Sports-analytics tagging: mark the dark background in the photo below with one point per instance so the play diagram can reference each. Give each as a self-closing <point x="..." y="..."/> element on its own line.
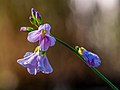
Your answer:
<point x="93" y="24"/>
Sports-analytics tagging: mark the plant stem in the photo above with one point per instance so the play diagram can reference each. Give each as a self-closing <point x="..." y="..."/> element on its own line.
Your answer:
<point x="93" y="69"/>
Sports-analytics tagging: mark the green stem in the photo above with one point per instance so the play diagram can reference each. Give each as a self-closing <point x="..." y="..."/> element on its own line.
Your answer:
<point x="94" y="69"/>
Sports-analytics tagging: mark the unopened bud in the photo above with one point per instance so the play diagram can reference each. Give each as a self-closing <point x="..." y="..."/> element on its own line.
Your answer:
<point x="38" y="18"/>
<point x="38" y="15"/>
<point x="23" y="29"/>
<point x="33" y="12"/>
<point x="29" y="29"/>
<point x="32" y="20"/>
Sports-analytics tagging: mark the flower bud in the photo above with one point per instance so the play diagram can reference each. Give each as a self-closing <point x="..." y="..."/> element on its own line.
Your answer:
<point x="33" y="12"/>
<point x="32" y="20"/>
<point x="29" y="29"/>
<point x="38" y="15"/>
<point x="23" y="29"/>
<point x="38" y="18"/>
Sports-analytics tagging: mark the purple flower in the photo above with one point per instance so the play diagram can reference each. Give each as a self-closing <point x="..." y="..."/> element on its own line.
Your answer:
<point x="35" y="62"/>
<point x="91" y="59"/>
<point x="43" y="36"/>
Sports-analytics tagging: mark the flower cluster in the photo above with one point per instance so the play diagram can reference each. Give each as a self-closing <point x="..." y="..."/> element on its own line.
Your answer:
<point x="37" y="61"/>
<point x="92" y="60"/>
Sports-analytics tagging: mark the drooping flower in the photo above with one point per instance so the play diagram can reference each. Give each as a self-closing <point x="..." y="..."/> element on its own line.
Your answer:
<point x="35" y="62"/>
<point x="91" y="59"/>
<point x="43" y="36"/>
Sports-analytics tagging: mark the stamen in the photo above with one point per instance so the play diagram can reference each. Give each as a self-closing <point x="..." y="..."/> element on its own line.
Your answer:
<point x="43" y="33"/>
<point x="81" y="49"/>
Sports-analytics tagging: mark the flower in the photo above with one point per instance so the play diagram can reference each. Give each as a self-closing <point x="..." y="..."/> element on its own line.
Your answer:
<point x="35" y="62"/>
<point x="91" y="59"/>
<point x="43" y="36"/>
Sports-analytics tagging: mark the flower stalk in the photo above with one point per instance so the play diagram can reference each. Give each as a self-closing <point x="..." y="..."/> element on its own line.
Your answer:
<point x="92" y="68"/>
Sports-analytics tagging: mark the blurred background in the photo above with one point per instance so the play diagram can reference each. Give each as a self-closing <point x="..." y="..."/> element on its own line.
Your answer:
<point x="93" y="24"/>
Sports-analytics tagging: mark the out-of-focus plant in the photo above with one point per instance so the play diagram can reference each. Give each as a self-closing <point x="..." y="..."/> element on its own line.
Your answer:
<point x="37" y="61"/>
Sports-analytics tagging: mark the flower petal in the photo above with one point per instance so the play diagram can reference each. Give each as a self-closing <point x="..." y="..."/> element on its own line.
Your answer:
<point x="32" y="70"/>
<point x="31" y="61"/>
<point x="51" y="40"/>
<point x="91" y="59"/>
<point x="44" y="66"/>
<point x="40" y="64"/>
<point x="95" y="62"/>
<point x="33" y="36"/>
<point x="44" y="44"/>
<point x="47" y="66"/>
<point x="85" y="54"/>
<point x="47" y="41"/>
<point x="27" y="54"/>
<point x="21" y="61"/>
<point x="45" y="27"/>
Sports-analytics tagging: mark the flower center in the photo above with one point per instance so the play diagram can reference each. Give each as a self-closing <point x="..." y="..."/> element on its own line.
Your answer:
<point x="43" y="33"/>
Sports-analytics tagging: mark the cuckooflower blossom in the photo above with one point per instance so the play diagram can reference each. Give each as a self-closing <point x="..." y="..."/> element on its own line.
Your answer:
<point x="43" y="36"/>
<point x="35" y="62"/>
<point x="91" y="59"/>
